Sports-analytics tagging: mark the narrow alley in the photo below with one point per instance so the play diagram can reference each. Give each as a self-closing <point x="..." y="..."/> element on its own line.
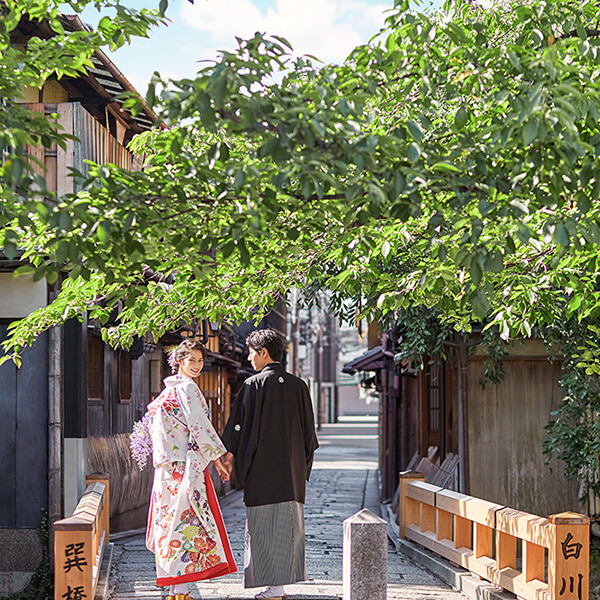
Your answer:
<point x="344" y="480"/>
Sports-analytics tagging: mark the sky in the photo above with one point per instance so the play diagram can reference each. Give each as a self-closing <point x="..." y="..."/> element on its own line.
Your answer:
<point x="327" y="29"/>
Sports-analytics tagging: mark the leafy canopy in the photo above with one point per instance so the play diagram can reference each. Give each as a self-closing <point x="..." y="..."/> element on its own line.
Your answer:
<point x="461" y="145"/>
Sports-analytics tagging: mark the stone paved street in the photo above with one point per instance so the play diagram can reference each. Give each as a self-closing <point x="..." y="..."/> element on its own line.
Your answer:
<point x="344" y="481"/>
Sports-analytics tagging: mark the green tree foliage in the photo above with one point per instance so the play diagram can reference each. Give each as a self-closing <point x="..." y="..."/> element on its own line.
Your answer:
<point x="452" y="163"/>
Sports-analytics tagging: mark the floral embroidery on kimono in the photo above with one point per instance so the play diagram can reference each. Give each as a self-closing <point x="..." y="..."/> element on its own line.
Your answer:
<point x="185" y="526"/>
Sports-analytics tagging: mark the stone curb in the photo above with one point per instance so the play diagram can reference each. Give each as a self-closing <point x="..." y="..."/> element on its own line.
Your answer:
<point x="458" y="578"/>
<point x="104" y="576"/>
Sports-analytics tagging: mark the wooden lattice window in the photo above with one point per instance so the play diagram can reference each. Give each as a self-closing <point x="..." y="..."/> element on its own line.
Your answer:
<point x="124" y="377"/>
<point x="95" y="368"/>
<point x="435" y="398"/>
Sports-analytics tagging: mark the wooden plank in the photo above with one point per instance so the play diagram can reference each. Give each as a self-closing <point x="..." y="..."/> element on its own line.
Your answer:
<point x="37" y="152"/>
<point x="533" y="561"/>
<point x="78" y="111"/>
<point x="514" y="581"/>
<point x="506" y="550"/>
<point x="443" y="548"/>
<point x="51" y="167"/>
<point x="413" y="512"/>
<point x="428" y="518"/>
<point x="102" y="479"/>
<point x="444" y="524"/>
<point x="64" y="158"/>
<point x="453" y="502"/>
<point x="568" y="557"/>
<point x="74" y="523"/>
<point x="442" y="479"/>
<point x="445" y="472"/>
<point x="523" y="525"/>
<point x="98" y="565"/>
<point x="85" y="516"/>
<point x="447" y="476"/>
<point x="94" y="487"/>
<point x="409" y="509"/>
<point x="462" y="532"/>
<point x="423" y="492"/>
<point x="89" y="505"/>
<point x="447" y="461"/>
<point x="428" y="468"/>
<point x="474" y="509"/>
<point x="73" y="563"/>
<point x="484" y="541"/>
<point x="484" y="567"/>
<point x="482" y="511"/>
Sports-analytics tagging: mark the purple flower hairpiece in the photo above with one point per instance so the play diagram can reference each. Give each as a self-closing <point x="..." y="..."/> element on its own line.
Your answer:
<point x="140" y="441"/>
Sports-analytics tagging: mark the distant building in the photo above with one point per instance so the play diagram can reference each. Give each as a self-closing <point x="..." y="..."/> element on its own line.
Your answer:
<point x="355" y="399"/>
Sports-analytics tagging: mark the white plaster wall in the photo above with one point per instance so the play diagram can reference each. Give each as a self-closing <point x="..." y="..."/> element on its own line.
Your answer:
<point x="351" y="402"/>
<point x="20" y="296"/>
<point x="75" y="472"/>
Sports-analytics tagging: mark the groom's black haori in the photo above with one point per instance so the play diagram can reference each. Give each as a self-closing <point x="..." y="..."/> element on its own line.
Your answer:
<point x="271" y="433"/>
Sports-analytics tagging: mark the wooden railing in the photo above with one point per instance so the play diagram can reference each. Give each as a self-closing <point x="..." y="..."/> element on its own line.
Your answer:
<point x="533" y="557"/>
<point x="79" y="543"/>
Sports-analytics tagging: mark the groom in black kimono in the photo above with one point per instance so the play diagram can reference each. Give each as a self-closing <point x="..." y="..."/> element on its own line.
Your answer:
<point x="271" y="435"/>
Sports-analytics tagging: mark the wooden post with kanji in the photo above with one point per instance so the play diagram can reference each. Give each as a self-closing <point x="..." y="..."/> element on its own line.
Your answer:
<point x="569" y="557"/>
<point x="79" y="542"/>
<point x="73" y="559"/>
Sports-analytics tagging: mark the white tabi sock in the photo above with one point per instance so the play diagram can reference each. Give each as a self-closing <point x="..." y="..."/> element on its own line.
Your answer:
<point x="180" y="588"/>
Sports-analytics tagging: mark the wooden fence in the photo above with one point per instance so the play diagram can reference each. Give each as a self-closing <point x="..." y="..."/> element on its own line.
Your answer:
<point x="533" y="557"/>
<point x="79" y="543"/>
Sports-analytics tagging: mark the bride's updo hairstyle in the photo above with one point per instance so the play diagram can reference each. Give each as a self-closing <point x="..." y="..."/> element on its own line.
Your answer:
<point x="183" y="350"/>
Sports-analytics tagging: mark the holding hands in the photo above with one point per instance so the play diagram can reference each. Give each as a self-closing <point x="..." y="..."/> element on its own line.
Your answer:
<point x="227" y="460"/>
<point x="224" y="466"/>
<point x="221" y="470"/>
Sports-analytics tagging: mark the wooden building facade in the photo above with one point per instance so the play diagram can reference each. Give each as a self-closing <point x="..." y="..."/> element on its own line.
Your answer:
<point x="47" y="416"/>
<point x="71" y="406"/>
<point x="495" y="430"/>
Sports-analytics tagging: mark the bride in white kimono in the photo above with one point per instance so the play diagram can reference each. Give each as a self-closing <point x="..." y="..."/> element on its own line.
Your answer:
<point x="185" y="527"/>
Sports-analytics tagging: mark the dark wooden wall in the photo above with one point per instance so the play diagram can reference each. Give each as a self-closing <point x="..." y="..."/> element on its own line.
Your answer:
<point x="390" y="427"/>
<point x="451" y="387"/>
<point x="24" y="457"/>
<point x="120" y="404"/>
<point x="408" y="433"/>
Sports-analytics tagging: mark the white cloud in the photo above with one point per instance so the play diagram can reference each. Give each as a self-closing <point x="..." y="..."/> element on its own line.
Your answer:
<point x="328" y="29"/>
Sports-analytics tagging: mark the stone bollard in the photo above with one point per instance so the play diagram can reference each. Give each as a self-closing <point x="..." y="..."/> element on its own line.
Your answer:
<point x="365" y="557"/>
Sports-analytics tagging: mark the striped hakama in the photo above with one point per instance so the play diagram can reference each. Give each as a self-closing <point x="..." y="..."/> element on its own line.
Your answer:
<point x="274" y="549"/>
